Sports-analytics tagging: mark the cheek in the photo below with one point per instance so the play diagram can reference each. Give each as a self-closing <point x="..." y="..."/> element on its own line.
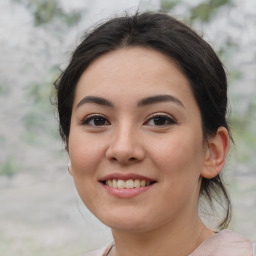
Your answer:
<point x="179" y="162"/>
<point x="178" y="147"/>
<point x="85" y="153"/>
<point x="179" y="156"/>
<point x="85" y="156"/>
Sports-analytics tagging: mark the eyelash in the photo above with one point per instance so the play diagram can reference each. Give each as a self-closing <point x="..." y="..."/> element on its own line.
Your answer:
<point x="88" y="119"/>
<point x="170" y="120"/>
<point x="164" y="117"/>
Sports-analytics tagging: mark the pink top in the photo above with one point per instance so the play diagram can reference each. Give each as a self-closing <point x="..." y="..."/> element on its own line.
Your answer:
<point x="225" y="243"/>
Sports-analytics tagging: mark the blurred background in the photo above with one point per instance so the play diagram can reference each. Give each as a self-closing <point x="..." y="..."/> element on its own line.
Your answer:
<point x="40" y="211"/>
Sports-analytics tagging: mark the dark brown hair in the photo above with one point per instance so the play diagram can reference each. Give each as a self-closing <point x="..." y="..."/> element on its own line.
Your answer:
<point x="193" y="55"/>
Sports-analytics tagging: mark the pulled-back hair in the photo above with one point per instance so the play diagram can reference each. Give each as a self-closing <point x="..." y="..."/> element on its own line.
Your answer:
<point x="192" y="55"/>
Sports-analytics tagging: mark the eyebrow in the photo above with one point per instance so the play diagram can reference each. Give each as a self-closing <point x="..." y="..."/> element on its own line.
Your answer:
<point x="159" y="99"/>
<point x="143" y="102"/>
<point x="96" y="100"/>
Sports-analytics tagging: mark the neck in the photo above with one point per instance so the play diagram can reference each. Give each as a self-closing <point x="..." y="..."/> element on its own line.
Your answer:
<point x="172" y="239"/>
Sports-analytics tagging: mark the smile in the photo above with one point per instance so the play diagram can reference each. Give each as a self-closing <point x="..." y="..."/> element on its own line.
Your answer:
<point x="127" y="184"/>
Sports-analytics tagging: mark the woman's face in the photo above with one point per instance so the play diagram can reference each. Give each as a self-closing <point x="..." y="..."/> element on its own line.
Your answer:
<point x="135" y="143"/>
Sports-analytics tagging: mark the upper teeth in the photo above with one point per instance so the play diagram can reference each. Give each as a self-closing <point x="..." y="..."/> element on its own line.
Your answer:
<point x="127" y="183"/>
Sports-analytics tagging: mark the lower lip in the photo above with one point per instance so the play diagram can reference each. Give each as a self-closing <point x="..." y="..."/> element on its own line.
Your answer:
<point x="127" y="192"/>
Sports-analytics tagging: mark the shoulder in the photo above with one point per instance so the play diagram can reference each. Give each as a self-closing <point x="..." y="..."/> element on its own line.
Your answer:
<point x="101" y="252"/>
<point x="225" y="243"/>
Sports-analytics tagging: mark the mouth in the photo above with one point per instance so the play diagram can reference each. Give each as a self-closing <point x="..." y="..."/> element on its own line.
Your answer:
<point x="128" y="183"/>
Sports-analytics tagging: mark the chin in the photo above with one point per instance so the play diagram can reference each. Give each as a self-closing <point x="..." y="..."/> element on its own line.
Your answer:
<point x="127" y="222"/>
<point x="130" y="228"/>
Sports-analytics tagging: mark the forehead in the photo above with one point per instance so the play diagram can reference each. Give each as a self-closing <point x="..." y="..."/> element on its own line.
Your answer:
<point x="133" y="72"/>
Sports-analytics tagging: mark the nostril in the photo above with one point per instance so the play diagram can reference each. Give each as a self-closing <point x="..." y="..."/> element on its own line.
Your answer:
<point x="130" y="159"/>
<point x="113" y="159"/>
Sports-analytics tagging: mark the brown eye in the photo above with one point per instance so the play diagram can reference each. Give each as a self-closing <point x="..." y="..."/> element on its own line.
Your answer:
<point x="160" y="120"/>
<point x="96" y="121"/>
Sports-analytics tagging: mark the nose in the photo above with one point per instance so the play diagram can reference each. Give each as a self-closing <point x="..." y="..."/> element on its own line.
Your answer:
<point x="125" y="147"/>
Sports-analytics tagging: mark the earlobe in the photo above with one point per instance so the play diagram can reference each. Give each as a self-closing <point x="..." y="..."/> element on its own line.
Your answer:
<point x="216" y="154"/>
<point x="70" y="168"/>
<point x="66" y="145"/>
<point x="69" y="162"/>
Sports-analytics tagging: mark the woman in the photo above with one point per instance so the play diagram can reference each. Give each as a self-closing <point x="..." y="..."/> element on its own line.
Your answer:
<point x="142" y="111"/>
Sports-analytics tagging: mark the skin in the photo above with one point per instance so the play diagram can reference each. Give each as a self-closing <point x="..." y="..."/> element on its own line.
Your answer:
<point x="128" y="139"/>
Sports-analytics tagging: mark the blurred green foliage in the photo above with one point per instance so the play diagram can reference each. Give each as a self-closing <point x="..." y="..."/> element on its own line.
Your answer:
<point x="4" y="90"/>
<point x="9" y="167"/>
<point x="45" y="12"/>
<point x="203" y="11"/>
<point x="39" y="118"/>
<point x="206" y="10"/>
<point x="39" y="94"/>
<point x="168" y="5"/>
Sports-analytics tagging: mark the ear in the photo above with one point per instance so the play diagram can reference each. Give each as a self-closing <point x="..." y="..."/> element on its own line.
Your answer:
<point x="216" y="153"/>
<point x="69" y="162"/>
<point x="70" y="170"/>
